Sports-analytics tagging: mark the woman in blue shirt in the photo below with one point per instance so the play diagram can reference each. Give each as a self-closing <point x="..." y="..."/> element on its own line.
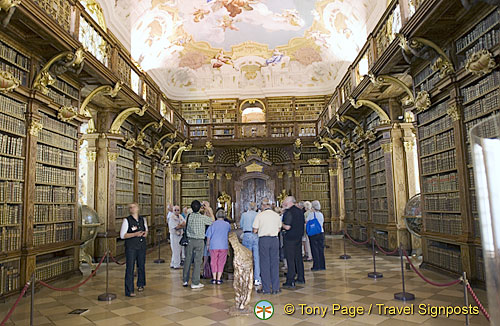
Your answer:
<point x="217" y="243"/>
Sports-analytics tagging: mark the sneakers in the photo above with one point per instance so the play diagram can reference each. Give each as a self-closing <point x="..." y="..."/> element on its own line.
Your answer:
<point x="257" y="283"/>
<point x="197" y="286"/>
<point x="213" y="282"/>
<point x="185" y="284"/>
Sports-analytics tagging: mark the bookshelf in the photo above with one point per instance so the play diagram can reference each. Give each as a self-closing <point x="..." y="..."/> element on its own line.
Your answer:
<point x="124" y="194"/>
<point x="56" y="182"/>
<point x="15" y="62"/>
<point x="159" y="201"/>
<point x="361" y="186"/>
<point x="224" y="110"/>
<point x="315" y="185"/>
<point x="144" y="186"/>
<point x="10" y="276"/>
<point x="50" y="265"/>
<point x="196" y="112"/>
<point x="63" y="93"/>
<point x="308" y="108"/>
<point x="348" y="188"/>
<point x="378" y="183"/>
<point x="280" y="109"/>
<point x="194" y="185"/>
<point x="282" y="131"/>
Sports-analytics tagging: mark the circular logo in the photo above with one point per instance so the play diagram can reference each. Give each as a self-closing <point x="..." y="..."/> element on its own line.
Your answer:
<point x="263" y="310"/>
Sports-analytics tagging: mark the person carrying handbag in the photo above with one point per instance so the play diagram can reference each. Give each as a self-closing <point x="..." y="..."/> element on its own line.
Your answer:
<point x="316" y="234"/>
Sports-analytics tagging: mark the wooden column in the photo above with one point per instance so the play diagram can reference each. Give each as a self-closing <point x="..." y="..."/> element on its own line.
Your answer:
<point x="176" y="183"/>
<point x="340" y="194"/>
<point x="334" y="195"/>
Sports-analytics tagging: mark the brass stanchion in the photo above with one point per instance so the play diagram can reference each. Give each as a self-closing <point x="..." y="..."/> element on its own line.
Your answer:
<point x="32" y="303"/>
<point x="466" y="297"/>
<point x="159" y="260"/>
<point x="344" y="256"/>
<point x="106" y="296"/>
<point x="374" y="274"/>
<point x="403" y="296"/>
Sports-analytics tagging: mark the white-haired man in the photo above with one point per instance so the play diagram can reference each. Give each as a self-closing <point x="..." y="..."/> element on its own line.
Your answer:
<point x="250" y="239"/>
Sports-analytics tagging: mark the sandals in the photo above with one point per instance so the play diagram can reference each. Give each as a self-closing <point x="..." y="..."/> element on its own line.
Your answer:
<point x="140" y="289"/>
<point x="213" y="282"/>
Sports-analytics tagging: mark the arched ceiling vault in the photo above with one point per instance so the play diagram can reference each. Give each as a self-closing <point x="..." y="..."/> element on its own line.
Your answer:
<point x="201" y="49"/>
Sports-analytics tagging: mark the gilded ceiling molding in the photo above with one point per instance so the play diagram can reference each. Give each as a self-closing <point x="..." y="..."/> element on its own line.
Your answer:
<point x="158" y="146"/>
<point x="344" y="117"/>
<point x="384" y="118"/>
<point x="334" y="142"/>
<point x="123" y="115"/>
<point x="102" y="90"/>
<point x="8" y="82"/>
<point x="481" y="63"/>
<point x="333" y="130"/>
<point x="178" y="154"/>
<point x="415" y="44"/>
<point x="386" y="79"/>
<point x="66" y="60"/>
<point x="140" y="137"/>
<point x="329" y="147"/>
<point x="95" y="10"/>
<point x="8" y="6"/>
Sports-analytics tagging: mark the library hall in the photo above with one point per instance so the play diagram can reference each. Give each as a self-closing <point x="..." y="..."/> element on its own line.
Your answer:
<point x="249" y="162"/>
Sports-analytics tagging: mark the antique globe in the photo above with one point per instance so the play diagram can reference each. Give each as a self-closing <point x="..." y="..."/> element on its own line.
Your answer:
<point x="89" y="222"/>
<point x="413" y="221"/>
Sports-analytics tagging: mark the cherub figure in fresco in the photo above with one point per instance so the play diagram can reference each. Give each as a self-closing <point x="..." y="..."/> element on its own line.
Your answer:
<point x="234" y="7"/>
<point x="227" y="22"/>
<point x="277" y="58"/>
<point x="291" y="16"/>
<point x="199" y="14"/>
<point x="221" y="59"/>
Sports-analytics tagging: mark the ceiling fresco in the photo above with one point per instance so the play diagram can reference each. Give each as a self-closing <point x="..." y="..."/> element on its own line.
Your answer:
<point x="244" y="48"/>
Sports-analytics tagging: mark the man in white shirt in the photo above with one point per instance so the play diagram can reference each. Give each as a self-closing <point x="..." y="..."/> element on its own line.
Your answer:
<point x="170" y="209"/>
<point x="267" y="225"/>
<point x="176" y="223"/>
<point x="250" y="239"/>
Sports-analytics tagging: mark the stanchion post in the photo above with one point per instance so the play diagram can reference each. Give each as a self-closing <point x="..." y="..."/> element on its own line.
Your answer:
<point x="32" y="303"/>
<point x="374" y="274"/>
<point x="159" y="260"/>
<point x="466" y="297"/>
<point x="403" y="296"/>
<point x="344" y="256"/>
<point x="107" y="296"/>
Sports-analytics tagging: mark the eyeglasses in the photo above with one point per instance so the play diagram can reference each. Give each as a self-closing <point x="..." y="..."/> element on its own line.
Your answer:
<point x="177" y="210"/>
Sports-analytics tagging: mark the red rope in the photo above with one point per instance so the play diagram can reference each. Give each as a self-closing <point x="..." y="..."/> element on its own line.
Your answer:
<point x="386" y="252"/>
<point x="76" y="286"/>
<point x="426" y="279"/>
<point x="481" y="307"/>
<point x="11" y="311"/>
<point x="355" y="242"/>
<point x="116" y="261"/>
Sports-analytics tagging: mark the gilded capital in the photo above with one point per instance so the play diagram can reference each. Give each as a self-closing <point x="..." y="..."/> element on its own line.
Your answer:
<point x="35" y="128"/>
<point x="91" y="156"/>
<point x="113" y="157"/>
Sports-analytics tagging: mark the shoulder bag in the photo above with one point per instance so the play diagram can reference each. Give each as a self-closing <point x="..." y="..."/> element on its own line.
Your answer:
<point x="313" y="227"/>
<point x="184" y="241"/>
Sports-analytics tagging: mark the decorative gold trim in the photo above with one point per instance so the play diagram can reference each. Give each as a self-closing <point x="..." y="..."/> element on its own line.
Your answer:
<point x="67" y="113"/>
<point x="314" y="161"/>
<point x="280" y="174"/>
<point x="386" y="147"/>
<point x="8" y="82"/>
<point x="35" y="128"/>
<point x="408" y="144"/>
<point x="334" y="142"/>
<point x="422" y="101"/>
<point x="453" y="112"/>
<point x="343" y="118"/>
<point x="254" y="167"/>
<point x="297" y="173"/>
<point x="44" y="78"/>
<point x="130" y="143"/>
<point x="481" y="63"/>
<point x="112" y="157"/>
<point x="365" y="157"/>
<point x="370" y="135"/>
<point x="91" y="156"/>
<point x="138" y="164"/>
<point x="123" y="115"/>
<point x="333" y="130"/>
<point x="95" y="9"/>
<point x="228" y="176"/>
<point x="387" y="79"/>
<point x="155" y="168"/>
<point x="178" y="154"/>
<point x="176" y="176"/>
<point x="158" y="146"/>
<point x="104" y="90"/>
<point x="349" y="163"/>
<point x="165" y="156"/>
<point x="332" y="172"/>
<point x="252" y="101"/>
<point x="283" y="194"/>
<point x="218" y="176"/>
<point x="384" y="118"/>
<point x="329" y="147"/>
<point x="289" y="174"/>
<point x="193" y="165"/>
<point x="225" y="201"/>
<point x="209" y="147"/>
<point x="211" y="175"/>
<point x="150" y="151"/>
<point x="8" y="4"/>
<point x="142" y="133"/>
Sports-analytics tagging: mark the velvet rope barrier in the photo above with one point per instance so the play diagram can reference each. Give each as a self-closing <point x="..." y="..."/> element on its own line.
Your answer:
<point x="76" y="286"/>
<point x="116" y="261"/>
<point x="386" y="252"/>
<point x="481" y="307"/>
<point x="426" y="279"/>
<point x="11" y="311"/>
<point x="355" y="242"/>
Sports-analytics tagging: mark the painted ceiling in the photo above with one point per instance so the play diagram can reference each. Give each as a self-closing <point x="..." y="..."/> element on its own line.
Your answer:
<point x="243" y="48"/>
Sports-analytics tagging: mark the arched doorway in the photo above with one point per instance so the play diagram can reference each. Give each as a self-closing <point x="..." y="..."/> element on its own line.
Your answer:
<point x="252" y="187"/>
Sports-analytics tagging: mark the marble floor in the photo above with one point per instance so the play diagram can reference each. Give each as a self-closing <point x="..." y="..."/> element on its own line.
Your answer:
<point x="166" y="302"/>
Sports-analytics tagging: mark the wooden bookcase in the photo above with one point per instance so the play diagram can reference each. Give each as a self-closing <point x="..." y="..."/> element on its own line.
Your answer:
<point x="280" y="109"/>
<point x="308" y="108"/>
<point x="196" y="112"/>
<point x="315" y="185"/>
<point x="224" y="111"/>
<point x="124" y="191"/>
<point x="144" y="188"/>
<point x="194" y="185"/>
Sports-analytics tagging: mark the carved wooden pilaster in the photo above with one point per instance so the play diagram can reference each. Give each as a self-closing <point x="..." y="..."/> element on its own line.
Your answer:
<point x="334" y="194"/>
<point x="176" y="183"/>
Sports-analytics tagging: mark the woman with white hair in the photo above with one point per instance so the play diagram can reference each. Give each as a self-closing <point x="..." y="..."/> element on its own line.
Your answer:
<point x="318" y="240"/>
<point x="305" y="239"/>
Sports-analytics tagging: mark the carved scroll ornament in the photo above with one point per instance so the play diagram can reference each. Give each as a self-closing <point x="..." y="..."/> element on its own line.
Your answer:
<point x="8" y="82"/>
<point x="123" y="115"/>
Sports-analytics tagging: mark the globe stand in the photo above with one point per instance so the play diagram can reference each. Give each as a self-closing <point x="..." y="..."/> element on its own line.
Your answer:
<point x="106" y="296"/>
<point x="159" y="260"/>
<point x="374" y="274"/>
<point x="403" y="296"/>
